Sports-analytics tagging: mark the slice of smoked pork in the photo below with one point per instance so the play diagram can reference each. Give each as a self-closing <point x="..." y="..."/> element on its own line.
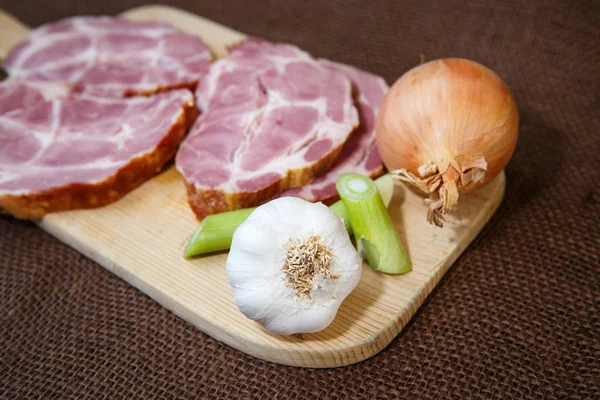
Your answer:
<point x="109" y="56"/>
<point x="62" y="150"/>
<point x="272" y="118"/>
<point x="359" y="154"/>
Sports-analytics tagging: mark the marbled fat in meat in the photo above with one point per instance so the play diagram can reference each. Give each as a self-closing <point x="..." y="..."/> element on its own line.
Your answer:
<point x="63" y="150"/>
<point x="359" y="154"/>
<point x="272" y="118"/>
<point x="110" y="56"/>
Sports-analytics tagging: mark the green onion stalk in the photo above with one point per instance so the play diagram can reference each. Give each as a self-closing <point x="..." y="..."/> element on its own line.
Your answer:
<point x="376" y="237"/>
<point x="215" y="232"/>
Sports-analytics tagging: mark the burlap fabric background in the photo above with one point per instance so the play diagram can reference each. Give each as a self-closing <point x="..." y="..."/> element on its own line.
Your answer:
<point x="516" y="317"/>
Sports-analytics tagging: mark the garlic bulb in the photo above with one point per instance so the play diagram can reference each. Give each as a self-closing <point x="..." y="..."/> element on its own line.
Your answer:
<point x="291" y="265"/>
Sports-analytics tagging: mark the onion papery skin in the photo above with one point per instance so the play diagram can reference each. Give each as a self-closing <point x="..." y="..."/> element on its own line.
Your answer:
<point x="440" y="114"/>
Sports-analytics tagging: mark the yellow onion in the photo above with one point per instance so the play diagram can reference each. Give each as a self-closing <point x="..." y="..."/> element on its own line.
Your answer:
<point x="447" y="126"/>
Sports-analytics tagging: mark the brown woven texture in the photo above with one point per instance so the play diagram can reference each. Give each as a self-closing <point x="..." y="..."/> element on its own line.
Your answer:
<point x="518" y="316"/>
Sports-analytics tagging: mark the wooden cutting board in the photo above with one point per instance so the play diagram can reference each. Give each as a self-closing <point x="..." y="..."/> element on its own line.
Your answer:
<point x="141" y="239"/>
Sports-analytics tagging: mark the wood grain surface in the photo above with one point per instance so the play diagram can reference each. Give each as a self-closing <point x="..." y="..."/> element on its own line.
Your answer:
<point x="141" y="239"/>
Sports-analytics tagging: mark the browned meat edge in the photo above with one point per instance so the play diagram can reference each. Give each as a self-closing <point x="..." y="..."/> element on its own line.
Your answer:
<point x="160" y="89"/>
<point x="207" y="202"/>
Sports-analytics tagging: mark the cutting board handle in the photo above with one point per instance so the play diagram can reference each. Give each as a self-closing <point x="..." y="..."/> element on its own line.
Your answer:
<point x="12" y="31"/>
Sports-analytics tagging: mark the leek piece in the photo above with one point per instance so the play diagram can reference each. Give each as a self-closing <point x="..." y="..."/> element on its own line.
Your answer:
<point x="385" y="186"/>
<point x="339" y="210"/>
<point x="376" y="237"/>
<point x="215" y="232"/>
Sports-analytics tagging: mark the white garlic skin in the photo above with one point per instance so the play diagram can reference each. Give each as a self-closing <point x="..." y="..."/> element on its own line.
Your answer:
<point x="257" y="254"/>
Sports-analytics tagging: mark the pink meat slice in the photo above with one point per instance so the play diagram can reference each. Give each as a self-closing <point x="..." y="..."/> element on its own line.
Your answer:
<point x="272" y="118"/>
<point x="110" y="56"/>
<point x="359" y="154"/>
<point x="63" y="150"/>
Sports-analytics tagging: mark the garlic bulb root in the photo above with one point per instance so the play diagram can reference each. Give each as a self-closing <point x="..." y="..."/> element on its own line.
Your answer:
<point x="442" y="182"/>
<point x="304" y="260"/>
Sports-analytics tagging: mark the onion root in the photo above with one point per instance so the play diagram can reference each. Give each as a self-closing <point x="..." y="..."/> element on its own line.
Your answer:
<point x="442" y="181"/>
